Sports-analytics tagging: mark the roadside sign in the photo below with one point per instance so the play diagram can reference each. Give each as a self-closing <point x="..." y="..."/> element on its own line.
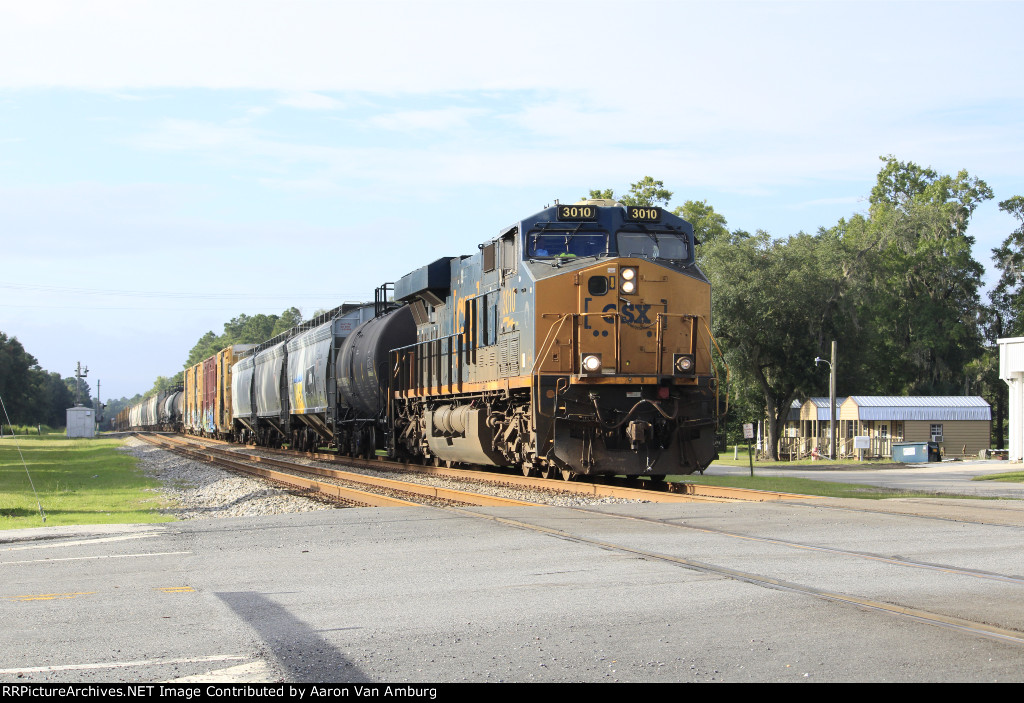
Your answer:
<point x="748" y="430"/>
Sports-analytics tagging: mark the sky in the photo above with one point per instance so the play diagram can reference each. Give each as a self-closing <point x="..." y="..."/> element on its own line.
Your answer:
<point x="167" y="166"/>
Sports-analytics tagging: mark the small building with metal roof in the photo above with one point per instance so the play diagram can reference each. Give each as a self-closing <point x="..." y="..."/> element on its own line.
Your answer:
<point x="960" y="424"/>
<point x="808" y="427"/>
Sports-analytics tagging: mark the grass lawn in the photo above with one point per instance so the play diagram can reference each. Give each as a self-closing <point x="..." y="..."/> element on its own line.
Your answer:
<point x="810" y="487"/>
<point x="1009" y="476"/>
<point x="78" y="482"/>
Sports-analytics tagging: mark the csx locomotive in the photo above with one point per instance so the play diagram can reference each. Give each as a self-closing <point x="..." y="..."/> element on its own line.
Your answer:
<point x="575" y="343"/>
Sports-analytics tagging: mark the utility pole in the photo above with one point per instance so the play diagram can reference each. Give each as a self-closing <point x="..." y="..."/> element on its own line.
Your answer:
<point x="833" y="425"/>
<point x="79" y="375"/>
<point x="832" y="397"/>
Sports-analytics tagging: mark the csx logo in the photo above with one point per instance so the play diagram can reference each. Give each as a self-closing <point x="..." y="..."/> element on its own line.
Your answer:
<point x="634" y="315"/>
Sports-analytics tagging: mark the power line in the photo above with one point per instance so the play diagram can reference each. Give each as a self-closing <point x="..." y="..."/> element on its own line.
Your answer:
<point x="68" y="290"/>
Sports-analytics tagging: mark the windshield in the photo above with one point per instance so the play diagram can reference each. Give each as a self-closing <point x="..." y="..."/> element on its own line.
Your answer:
<point x="656" y="245"/>
<point x="568" y="245"/>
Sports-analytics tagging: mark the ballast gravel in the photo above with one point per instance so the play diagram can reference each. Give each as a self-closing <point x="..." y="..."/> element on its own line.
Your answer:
<point x="199" y="491"/>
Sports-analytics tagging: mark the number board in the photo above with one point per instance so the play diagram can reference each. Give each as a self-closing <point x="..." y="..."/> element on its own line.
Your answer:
<point x="577" y="213"/>
<point x="642" y="214"/>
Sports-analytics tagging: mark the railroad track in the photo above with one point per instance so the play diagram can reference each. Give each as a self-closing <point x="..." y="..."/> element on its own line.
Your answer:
<point x="978" y="625"/>
<point x="981" y="627"/>
<point x="655" y="492"/>
<point x="334" y="485"/>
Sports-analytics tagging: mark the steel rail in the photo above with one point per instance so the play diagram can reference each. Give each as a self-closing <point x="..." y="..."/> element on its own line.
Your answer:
<point x="448" y="494"/>
<point x="895" y="561"/>
<point x="972" y="627"/>
<point x="672" y="492"/>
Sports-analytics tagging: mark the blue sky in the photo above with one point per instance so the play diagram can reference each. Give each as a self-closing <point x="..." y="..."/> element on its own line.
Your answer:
<point x="167" y="166"/>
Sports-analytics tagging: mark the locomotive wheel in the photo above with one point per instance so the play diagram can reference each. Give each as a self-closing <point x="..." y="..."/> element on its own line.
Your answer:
<point x="527" y="470"/>
<point x="547" y="471"/>
<point x="436" y="461"/>
<point x="567" y="475"/>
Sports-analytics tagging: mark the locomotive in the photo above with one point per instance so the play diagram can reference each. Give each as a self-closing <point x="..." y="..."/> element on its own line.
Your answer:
<point x="575" y="343"/>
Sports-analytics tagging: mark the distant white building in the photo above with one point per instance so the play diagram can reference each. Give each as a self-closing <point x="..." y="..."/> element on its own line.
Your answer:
<point x="81" y="422"/>
<point x="1011" y="370"/>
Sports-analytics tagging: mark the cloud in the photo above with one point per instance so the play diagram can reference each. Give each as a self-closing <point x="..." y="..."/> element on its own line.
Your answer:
<point x="455" y="118"/>
<point x="311" y="101"/>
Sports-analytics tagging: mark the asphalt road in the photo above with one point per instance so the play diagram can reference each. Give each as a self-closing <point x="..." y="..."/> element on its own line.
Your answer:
<point x="639" y="593"/>
<point x="953" y="477"/>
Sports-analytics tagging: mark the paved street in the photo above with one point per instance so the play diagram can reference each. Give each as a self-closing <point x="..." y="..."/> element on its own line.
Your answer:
<point x="946" y="477"/>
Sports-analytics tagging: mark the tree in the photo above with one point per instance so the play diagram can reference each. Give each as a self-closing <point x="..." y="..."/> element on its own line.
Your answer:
<point x="208" y="345"/>
<point x="708" y="225"/>
<point x="778" y="304"/>
<point x="288" y="319"/>
<point x="918" y="296"/>
<point x="1005" y="299"/>
<point x="645" y="192"/>
<point x="16" y="380"/>
<point x="79" y="388"/>
<point x="30" y="394"/>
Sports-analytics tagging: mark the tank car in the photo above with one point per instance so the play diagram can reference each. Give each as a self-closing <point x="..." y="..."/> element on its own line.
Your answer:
<point x="307" y="386"/>
<point x="171" y="411"/>
<point x="577" y="341"/>
<point x="364" y="375"/>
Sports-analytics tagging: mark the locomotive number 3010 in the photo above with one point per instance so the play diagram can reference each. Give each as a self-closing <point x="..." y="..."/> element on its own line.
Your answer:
<point x="577" y="212"/>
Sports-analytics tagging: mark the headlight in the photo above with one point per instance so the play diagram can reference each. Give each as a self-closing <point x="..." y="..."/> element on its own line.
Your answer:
<point x="628" y="280"/>
<point x="590" y="363"/>
<point x="683" y="364"/>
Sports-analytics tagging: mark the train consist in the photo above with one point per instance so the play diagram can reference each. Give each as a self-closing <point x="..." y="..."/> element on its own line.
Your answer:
<point x="575" y="343"/>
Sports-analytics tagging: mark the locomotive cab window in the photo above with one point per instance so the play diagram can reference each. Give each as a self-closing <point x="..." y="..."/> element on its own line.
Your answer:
<point x="567" y="244"/>
<point x="674" y="246"/>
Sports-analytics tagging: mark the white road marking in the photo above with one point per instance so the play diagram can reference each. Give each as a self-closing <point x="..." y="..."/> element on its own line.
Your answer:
<point x="99" y="556"/>
<point x="255" y="672"/>
<point x="121" y="665"/>
<point x="80" y="542"/>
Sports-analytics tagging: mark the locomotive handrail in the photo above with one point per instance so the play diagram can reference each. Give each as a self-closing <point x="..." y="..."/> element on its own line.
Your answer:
<point x="409" y="354"/>
<point x="549" y="339"/>
<point x="715" y="372"/>
<point x="535" y="373"/>
<point x="693" y="335"/>
<point x="693" y="350"/>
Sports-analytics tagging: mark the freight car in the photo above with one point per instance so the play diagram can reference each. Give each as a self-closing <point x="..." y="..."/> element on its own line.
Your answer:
<point x="575" y="343"/>
<point x="162" y="412"/>
<point x="207" y="394"/>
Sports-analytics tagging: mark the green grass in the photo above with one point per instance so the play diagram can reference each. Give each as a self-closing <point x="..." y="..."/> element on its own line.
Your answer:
<point x="78" y="482"/>
<point x="1008" y="476"/>
<point x="810" y="487"/>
